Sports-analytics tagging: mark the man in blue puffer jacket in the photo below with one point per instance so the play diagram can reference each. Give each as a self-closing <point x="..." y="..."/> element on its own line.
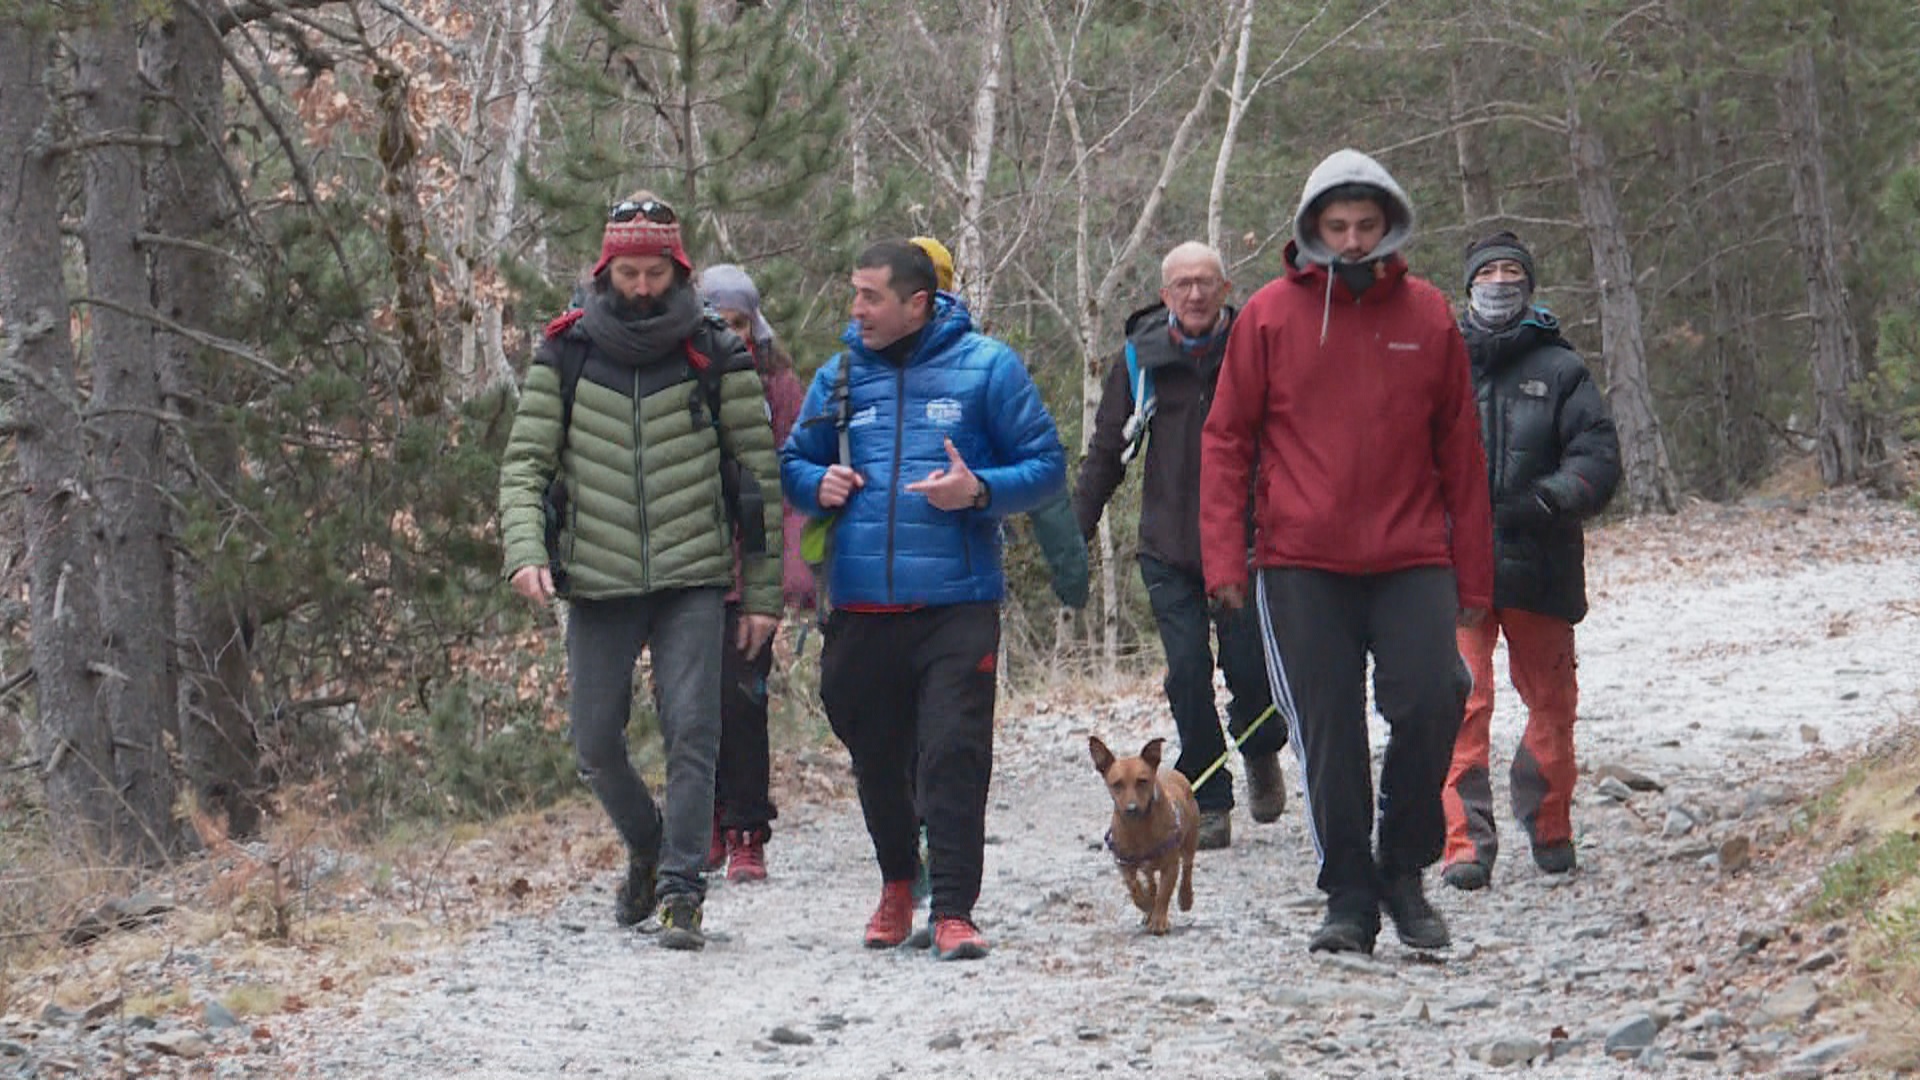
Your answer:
<point x="945" y="435"/>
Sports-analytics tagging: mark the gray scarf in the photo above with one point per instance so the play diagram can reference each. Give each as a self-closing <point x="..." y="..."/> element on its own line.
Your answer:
<point x="636" y="339"/>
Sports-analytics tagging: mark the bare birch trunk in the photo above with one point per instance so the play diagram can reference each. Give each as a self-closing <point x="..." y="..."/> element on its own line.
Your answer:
<point x="1477" y="203"/>
<point x="72" y="743"/>
<point x="1840" y="422"/>
<point x="131" y="521"/>
<point x="1649" y="475"/>
<point x="533" y="24"/>
<point x="971" y="276"/>
<point x="1236" y="111"/>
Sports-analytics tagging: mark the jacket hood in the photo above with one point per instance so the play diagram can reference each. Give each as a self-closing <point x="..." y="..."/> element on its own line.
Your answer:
<point x="1351" y="167"/>
<point x="1537" y="329"/>
<point x="1147" y="329"/>
<point x="950" y="322"/>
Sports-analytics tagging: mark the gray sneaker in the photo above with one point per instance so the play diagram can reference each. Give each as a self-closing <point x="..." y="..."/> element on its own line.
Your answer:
<point x="680" y="923"/>
<point x="1216" y="829"/>
<point x="1266" y="790"/>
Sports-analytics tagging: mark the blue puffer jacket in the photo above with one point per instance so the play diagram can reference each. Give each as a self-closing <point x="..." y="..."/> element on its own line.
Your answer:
<point x="891" y="546"/>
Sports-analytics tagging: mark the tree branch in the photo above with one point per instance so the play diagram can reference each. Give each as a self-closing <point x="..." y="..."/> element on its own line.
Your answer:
<point x="200" y="337"/>
<point x="238" y="15"/>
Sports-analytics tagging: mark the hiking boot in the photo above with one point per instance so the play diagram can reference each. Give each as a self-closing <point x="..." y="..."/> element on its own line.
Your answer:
<point x="747" y="854"/>
<point x="956" y="938"/>
<point x="1343" y="933"/>
<point x="1466" y="876"/>
<point x="1216" y="829"/>
<point x="1419" y="926"/>
<point x="635" y="899"/>
<point x="717" y="845"/>
<point x="892" y="921"/>
<point x="1266" y="790"/>
<point x="680" y="924"/>
<point x="1554" y="858"/>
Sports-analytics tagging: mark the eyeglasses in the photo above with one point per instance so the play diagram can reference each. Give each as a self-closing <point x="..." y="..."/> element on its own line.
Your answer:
<point x="652" y="209"/>
<point x="1187" y="285"/>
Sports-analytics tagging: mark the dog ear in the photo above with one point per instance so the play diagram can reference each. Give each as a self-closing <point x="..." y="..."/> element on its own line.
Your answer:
<point x="1150" y="753"/>
<point x="1102" y="757"/>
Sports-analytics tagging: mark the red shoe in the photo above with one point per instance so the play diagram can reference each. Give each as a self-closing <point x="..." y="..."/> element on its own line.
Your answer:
<point x="892" y="921"/>
<point x="717" y="845"/>
<point x="958" y="939"/>
<point x="747" y="854"/>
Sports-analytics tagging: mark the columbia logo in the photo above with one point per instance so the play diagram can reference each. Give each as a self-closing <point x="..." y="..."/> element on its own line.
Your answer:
<point x="1404" y="346"/>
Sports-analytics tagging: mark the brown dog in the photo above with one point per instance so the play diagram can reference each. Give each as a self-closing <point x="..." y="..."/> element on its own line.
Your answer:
<point x="1156" y="828"/>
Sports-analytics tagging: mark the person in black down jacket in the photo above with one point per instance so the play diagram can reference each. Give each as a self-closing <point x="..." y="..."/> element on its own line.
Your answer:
<point x="1553" y="460"/>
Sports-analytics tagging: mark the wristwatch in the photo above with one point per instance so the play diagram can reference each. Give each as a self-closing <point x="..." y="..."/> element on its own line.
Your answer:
<point x="982" y="494"/>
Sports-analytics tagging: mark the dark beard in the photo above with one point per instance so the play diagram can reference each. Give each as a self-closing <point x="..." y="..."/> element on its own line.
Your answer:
<point x="639" y="307"/>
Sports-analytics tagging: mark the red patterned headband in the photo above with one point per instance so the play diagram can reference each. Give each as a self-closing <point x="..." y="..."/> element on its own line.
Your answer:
<point x="641" y="237"/>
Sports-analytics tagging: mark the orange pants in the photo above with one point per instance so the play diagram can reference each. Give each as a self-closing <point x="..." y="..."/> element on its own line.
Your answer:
<point x="1540" y="658"/>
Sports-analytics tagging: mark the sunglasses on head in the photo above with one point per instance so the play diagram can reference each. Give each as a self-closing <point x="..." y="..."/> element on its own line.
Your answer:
<point x="652" y="209"/>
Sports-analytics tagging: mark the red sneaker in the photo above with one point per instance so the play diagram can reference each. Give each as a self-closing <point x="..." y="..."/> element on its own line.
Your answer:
<point x="746" y="855"/>
<point x="892" y="921"/>
<point x="958" y="939"/>
<point x="717" y="845"/>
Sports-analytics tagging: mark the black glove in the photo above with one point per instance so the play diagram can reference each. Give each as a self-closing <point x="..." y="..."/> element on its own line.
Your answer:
<point x="1530" y="511"/>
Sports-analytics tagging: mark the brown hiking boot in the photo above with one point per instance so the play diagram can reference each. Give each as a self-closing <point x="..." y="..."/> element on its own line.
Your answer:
<point x="1216" y="829"/>
<point x="1266" y="790"/>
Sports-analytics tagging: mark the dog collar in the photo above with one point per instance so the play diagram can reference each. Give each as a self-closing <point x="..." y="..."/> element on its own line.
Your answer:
<point x="1159" y="852"/>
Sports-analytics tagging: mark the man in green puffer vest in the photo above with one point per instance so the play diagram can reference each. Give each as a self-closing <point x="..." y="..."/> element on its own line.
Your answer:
<point x="644" y="544"/>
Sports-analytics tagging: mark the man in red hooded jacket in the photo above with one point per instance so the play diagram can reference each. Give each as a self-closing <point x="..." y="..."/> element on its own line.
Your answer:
<point x="1348" y="383"/>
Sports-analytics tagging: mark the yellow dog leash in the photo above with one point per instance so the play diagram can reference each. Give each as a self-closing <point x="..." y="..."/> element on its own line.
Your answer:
<point x="1237" y="743"/>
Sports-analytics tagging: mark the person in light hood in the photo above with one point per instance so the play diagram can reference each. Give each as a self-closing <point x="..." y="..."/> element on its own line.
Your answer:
<point x="1346" y="385"/>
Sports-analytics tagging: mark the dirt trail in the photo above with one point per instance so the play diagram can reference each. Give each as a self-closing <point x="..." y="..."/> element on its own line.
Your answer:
<point x="1714" y="639"/>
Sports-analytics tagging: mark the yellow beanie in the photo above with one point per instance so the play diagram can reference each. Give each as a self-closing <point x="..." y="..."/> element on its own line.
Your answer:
<point x="942" y="259"/>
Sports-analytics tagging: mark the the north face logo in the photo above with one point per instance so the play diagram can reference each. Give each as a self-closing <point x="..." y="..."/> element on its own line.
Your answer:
<point x="987" y="664"/>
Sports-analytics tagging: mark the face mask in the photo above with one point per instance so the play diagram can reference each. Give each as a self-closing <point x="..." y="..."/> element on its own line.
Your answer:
<point x="1497" y="303"/>
<point x="1357" y="277"/>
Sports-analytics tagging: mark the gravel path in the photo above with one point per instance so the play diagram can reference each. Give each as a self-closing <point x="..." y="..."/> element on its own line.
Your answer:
<point x="1737" y="671"/>
<point x="1701" y="680"/>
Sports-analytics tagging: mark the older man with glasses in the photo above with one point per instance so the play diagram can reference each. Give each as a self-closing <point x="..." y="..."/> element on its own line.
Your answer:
<point x="1159" y="388"/>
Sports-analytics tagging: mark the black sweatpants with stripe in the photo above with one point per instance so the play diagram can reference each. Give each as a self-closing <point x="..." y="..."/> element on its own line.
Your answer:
<point x="914" y="690"/>
<point x="1320" y="628"/>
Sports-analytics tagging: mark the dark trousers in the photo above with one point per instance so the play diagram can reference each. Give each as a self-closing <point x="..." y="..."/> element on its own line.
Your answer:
<point x="911" y="695"/>
<point x="1179" y="600"/>
<point x="1321" y="627"/>
<point x="743" y="776"/>
<point x="604" y="639"/>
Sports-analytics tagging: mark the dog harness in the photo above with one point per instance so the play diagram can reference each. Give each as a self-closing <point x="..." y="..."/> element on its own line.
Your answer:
<point x="1159" y="851"/>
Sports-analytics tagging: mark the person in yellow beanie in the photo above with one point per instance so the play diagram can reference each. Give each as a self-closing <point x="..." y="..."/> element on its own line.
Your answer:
<point x="1054" y="526"/>
<point x="942" y="260"/>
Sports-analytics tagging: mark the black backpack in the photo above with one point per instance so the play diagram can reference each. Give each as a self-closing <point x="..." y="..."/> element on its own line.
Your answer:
<point x="739" y="488"/>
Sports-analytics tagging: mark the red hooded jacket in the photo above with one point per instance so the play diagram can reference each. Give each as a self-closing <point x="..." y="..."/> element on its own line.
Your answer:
<point x="1361" y="415"/>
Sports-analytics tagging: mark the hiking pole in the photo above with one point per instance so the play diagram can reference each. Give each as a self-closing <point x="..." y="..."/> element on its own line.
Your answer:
<point x="1237" y="744"/>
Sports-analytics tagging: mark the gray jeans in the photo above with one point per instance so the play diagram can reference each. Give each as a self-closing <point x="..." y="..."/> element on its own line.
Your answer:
<point x="604" y="639"/>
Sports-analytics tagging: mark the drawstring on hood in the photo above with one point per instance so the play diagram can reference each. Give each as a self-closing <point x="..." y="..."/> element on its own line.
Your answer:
<point x="1341" y="168"/>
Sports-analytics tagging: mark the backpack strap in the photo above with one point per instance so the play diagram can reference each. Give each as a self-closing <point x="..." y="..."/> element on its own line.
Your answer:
<point x="1140" y="384"/>
<point x="840" y="413"/>
<point x="739" y="488"/>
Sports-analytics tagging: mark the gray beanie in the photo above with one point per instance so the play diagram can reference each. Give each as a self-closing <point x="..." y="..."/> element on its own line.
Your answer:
<point x="726" y="286"/>
<point x="1492" y="249"/>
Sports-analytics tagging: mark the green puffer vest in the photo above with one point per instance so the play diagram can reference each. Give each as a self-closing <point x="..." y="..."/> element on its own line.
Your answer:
<point x="642" y="468"/>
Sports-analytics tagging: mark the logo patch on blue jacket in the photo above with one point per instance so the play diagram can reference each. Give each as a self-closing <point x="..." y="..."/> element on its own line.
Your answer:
<point x="864" y="417"/>
<point x="943" y="412"/>
<point x="1534" y="388"/>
